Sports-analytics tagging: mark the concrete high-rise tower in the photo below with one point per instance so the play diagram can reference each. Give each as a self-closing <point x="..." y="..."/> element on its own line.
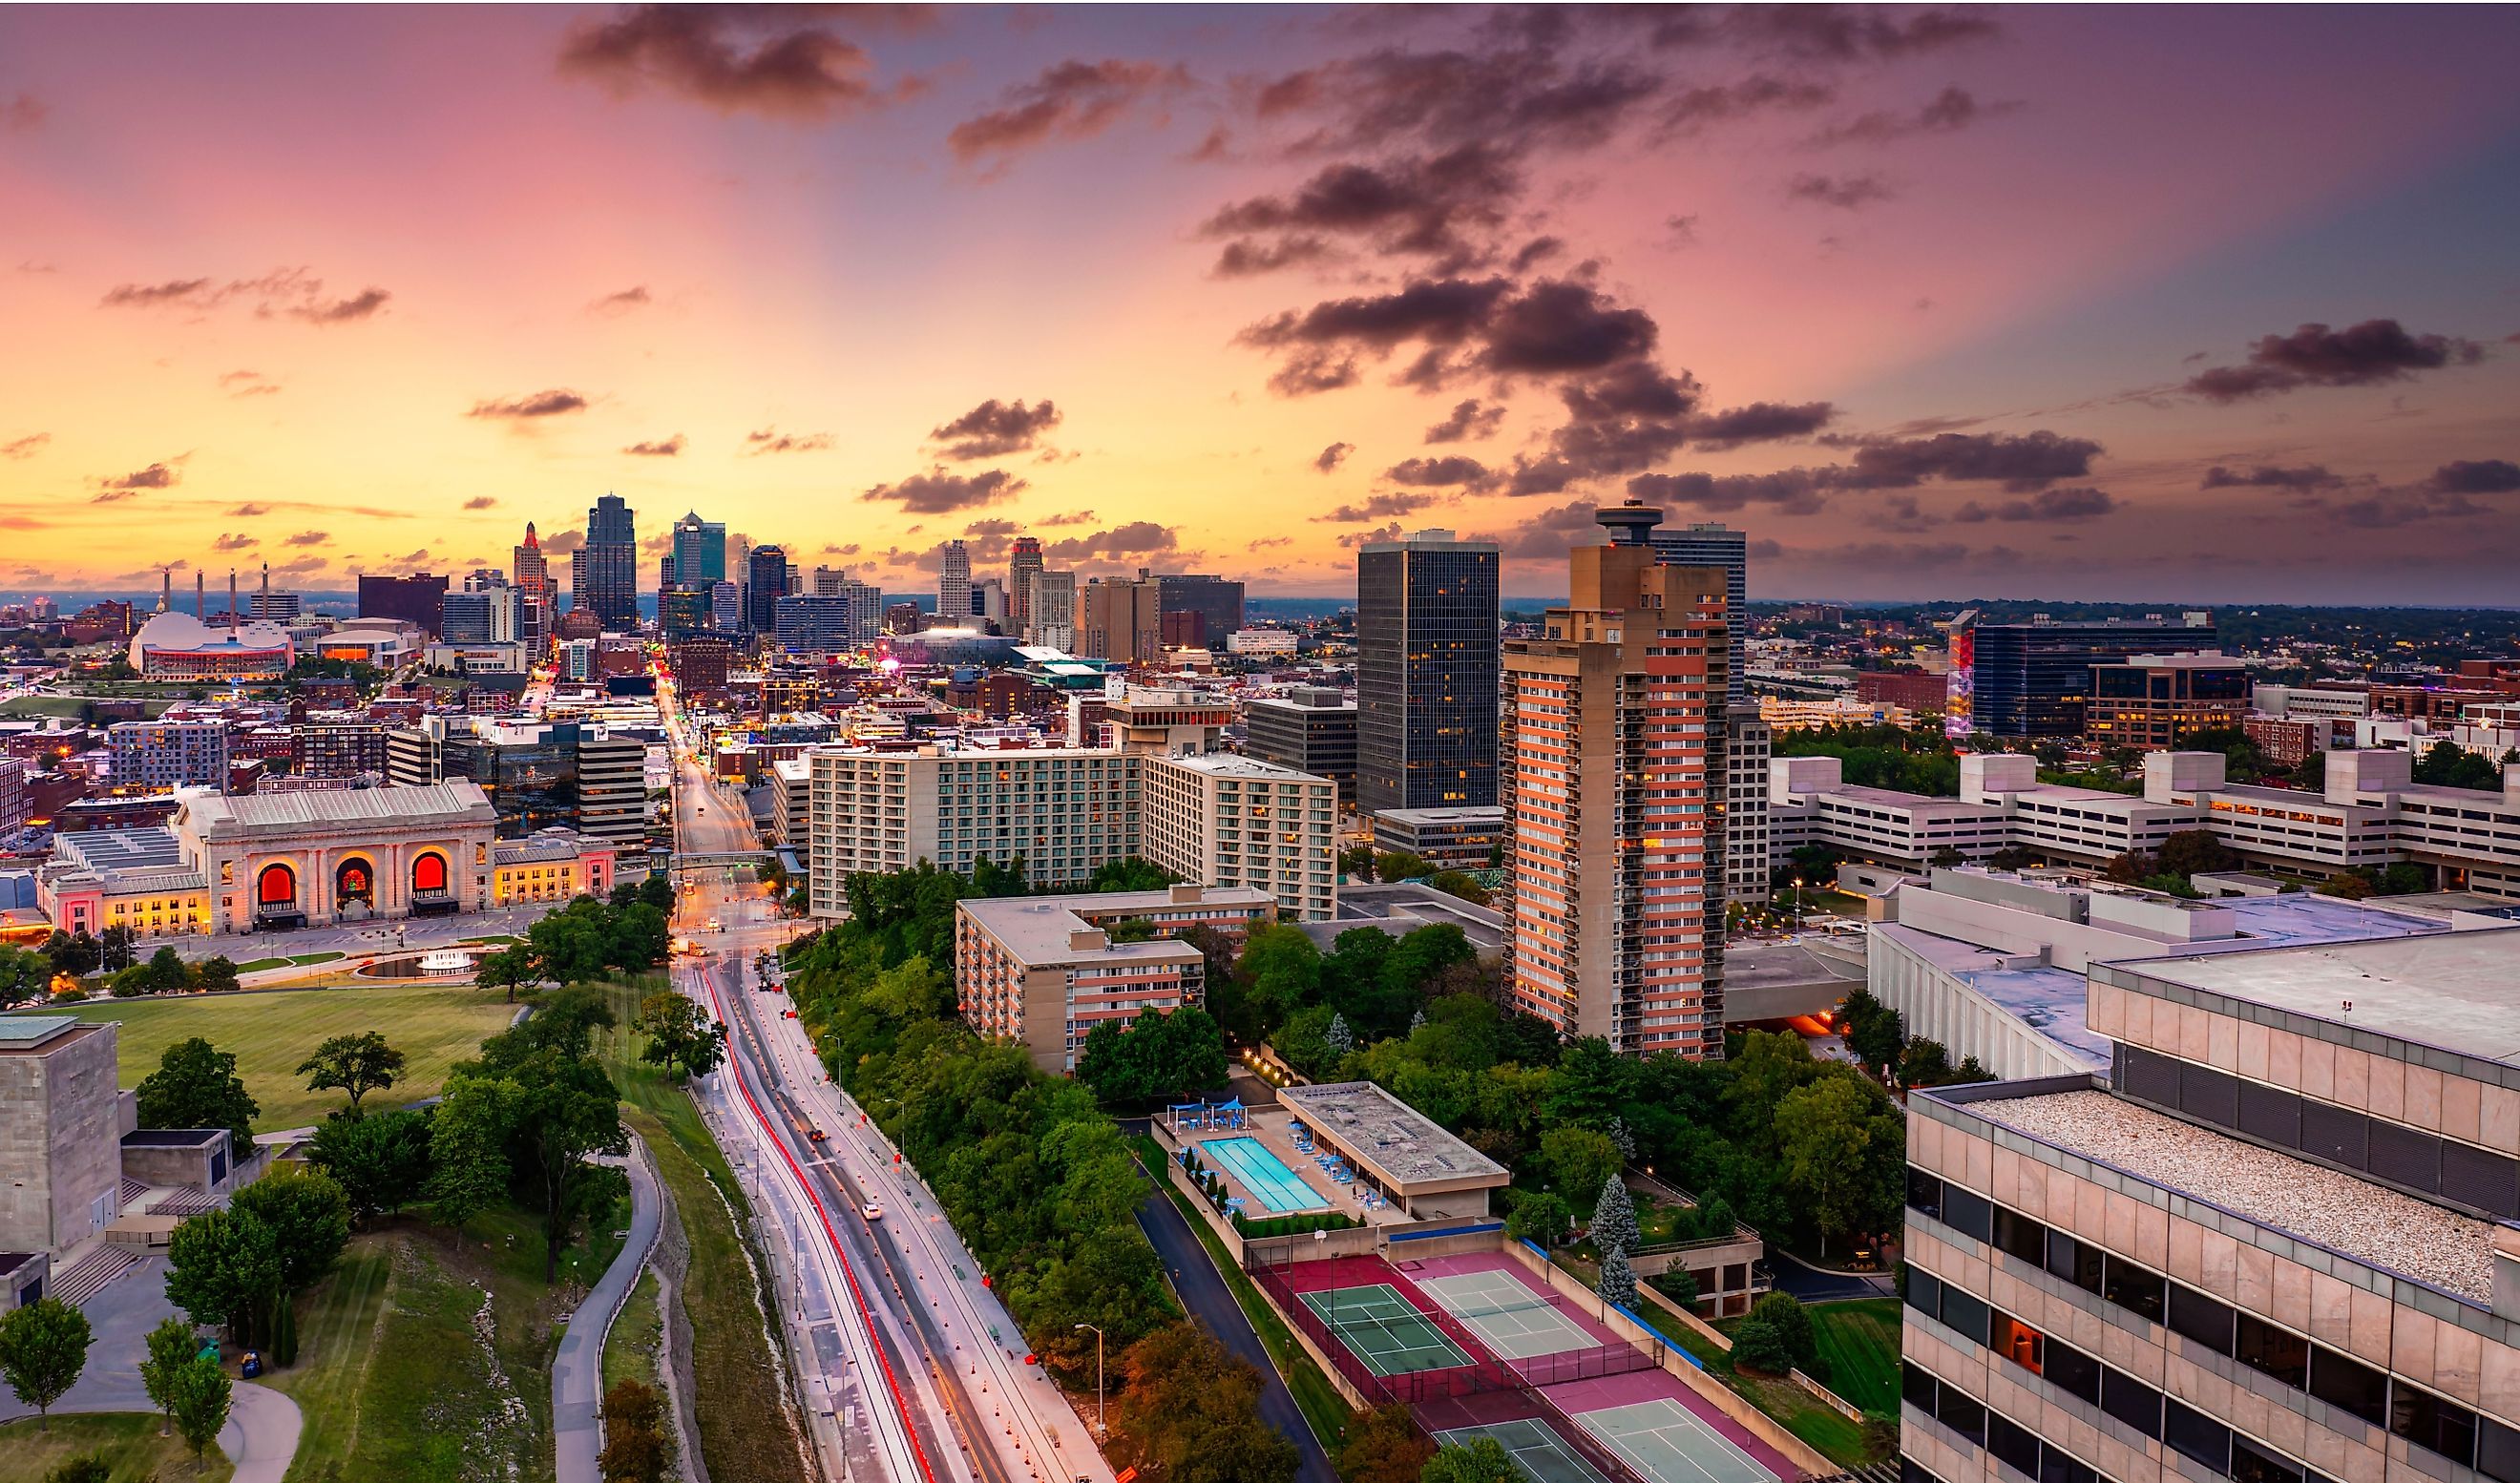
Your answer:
<point x="1729" y="551"/>
<point x="1426" y="673"/>
<point x="1614" y="799"/>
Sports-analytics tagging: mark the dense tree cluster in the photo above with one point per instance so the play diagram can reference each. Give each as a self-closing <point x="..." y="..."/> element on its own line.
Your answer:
<point x="1876" y="1035"/>
<point x="1154" y="1058"/>
<point x="1906" y="761"/>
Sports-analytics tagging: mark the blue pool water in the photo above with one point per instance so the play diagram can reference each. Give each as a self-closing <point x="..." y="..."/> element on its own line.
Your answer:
<point x="1276" y="1186"/>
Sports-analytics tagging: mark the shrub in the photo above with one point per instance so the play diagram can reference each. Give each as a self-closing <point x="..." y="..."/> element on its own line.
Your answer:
<point x="1756" y="1345"/>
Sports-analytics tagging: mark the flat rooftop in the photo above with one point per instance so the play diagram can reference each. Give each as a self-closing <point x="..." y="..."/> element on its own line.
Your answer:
<point x="2365" y="1221"/>
<point x="2306" y="916"/>
<point x="2051" y="1001"/>
<point x="1404" y="1149"/>
<point x="22" y="1032"/>
<point x="1402" y="907"/>
<point x="1913" y="803"/>
<point x="1036" y="928"/>
<point x="2449" y="990"/>
<point x="1424" y="817"/>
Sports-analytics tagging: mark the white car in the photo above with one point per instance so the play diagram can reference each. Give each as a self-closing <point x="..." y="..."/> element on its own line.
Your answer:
<point x="872" y="1212"/>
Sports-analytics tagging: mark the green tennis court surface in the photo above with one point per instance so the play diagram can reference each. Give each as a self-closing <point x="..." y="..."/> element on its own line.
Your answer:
<point x="1663" y="1441"/>
<point x="1385" y="1330"/>
<point x="1507" y="1316"/>
<point x="1540" y="1453"/>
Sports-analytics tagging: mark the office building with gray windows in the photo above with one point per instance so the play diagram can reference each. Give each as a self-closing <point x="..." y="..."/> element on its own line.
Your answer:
<point x="1426" y="673"/>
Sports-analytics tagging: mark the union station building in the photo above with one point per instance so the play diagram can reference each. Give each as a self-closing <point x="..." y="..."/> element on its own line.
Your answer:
<point x="252" y="863"/>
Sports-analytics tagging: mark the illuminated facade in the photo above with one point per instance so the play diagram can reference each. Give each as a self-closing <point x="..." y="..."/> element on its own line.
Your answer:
<point x="177" y="645"/>
<point x="313" y="859"/>
<point x="1426" y="673"/>
<point x="1615" y="800"/>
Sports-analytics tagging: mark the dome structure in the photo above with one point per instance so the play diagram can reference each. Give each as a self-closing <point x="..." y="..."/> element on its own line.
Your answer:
<point x="177" y="645"/>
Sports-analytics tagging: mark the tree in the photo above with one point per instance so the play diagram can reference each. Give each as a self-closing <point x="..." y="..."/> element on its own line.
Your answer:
<point x="200" y="1396"/>
<point x="640" y="936"/>
<point x="24" y="978"/>
<point x="1188" y="1411"/>
<point x="309" y="1219"/>
<point x="219" y="974"/>
<point x="1279" y="971"/>
<point x="2191" y="850"/>
<point x="1578" y="1159"/>
<point x="567" y="1110"/>
<point x="637" y="1449"/>
<point x="1614" y="1218"/>
<point x="1337" y="1037"/>
<point x="357" y="1064"/>
<point x="468" y="1147"/>
<point x="1680" y="1284"/>
<point x="1758" y="1346"/>
<point x="680" y="1035"/>
<point x="222" y="1267"/>
<point x="510" y="969"/>
<point x="1356" y="860"/>
<point x="2345" y="885"/>
<point x="1484" y="1461"/>
<point x="171" y="1343"/>
<point x="1384" y="1446"/>
<point x="90" y="1468"/>
<point x="43" y="1347"/>
<point x="1924" y="1064"/>
<point x="2446" y="764"/>
<point x="1824" y="1133"/>
<point x="195" y="1085"/>
<point x="1618" y="1279"/>
<point x="1540" y="1218"/>
<point x="167" y="971"/>
<point x="1784" y="1313"/>
<point x="113" y="949"/>
<point x="1153" y="1057"/>
<point x="381" y="1163"/>
<point x="564" y="1021"/>
<point x="74" y="955"/>
<point x="1130" y="873"/>
<point x="1402" y="865"/>
<point x="1460" y="883"/>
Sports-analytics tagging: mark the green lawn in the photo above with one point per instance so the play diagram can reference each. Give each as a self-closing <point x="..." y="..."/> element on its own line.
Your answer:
<point x="1858" y="1342"/>
<point x="630" y="1348"/>
<point x="130" y="1444"/>
<point x="271" y="1033"/>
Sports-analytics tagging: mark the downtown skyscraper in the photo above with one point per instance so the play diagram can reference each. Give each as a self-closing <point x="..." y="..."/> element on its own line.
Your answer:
<point x="604" y="573"/>
<point x="1021" y="569"/>
<point x="1616" y="797"/>
<point x="954" y="587"/>
<point x="765" y="583"/>
<point x="1727" y="549"/>
<point x="1426" y="673"/>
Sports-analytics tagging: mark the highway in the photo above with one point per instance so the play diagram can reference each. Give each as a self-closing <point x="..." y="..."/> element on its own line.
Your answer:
<point x="913" y="1368"/>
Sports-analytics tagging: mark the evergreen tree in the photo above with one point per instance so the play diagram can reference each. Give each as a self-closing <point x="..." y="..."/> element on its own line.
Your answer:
<point x="1339" y="1037"/>
<point x="1614" y="1218"/>
<point x="1618" y="1279"/>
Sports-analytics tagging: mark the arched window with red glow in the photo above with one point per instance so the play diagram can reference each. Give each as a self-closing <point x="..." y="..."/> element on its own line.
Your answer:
<point x="428" y="872"/>
<point x="277" y="885"/>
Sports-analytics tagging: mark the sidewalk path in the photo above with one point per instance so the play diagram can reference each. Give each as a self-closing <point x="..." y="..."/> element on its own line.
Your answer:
<point x="577" y="1370"/>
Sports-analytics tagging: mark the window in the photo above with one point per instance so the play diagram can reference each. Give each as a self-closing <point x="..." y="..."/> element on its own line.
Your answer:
<point x="1968" y="1213"/>
<point x="1963" y="1313"/>
<point x="1924" y="1292"/>
<point x="2252" y="1463"/>
<point x="2196" y="1435"/>
<point x="2077" y="1261"/>
<point x="2349" y="1385"/>
<point x="2020" y="1236"/>
<point x="1961" y="1412"/>
<point x="2012" y="1445"/>
<point x="2201" y="1318"/>
<point x="2018" y="1342"/>
<point x="2071" y="1372"/>
<point x="1916" y="1386"/>
<point x="2272" y="1351"/>
<point x="2430" y="1421"/>
<point x="2131" y="1401"/>
<point x="2497" y="1451"/>
<point x="2058" y="1467"/>
<point x="2132" y="1288"/>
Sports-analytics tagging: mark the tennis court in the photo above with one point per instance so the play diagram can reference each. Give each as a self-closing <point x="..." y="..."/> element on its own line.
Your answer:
<point x="1507" y="1316"/>
<point x="1664" y="1442"/>
<point x="1539" y="1451"/>
<point x="1385" y="1330"/>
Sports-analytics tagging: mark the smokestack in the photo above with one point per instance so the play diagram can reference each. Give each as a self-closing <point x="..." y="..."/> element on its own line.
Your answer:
<point x="200" y="598"/>
<point x="233" y="620"/>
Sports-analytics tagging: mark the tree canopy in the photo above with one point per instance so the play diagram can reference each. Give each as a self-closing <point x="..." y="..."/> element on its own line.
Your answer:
<point x="195" y="1085"/>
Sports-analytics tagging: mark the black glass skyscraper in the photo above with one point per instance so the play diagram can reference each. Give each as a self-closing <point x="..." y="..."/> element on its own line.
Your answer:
<point x="604" y="574"/>
<point x="2035" y="679"/>
<point x="765" y="583"/>
<point x="1426" y="673"/>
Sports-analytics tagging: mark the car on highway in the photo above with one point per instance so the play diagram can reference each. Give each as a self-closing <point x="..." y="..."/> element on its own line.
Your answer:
<point x="872" y="1211"/>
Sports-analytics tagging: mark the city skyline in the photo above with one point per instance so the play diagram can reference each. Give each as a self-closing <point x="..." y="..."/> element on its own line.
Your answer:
<point x="1926" y="302"/>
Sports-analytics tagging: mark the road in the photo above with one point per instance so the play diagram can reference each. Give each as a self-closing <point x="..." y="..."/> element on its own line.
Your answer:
<point x="918" y="1346"/>
<point x="577" y="1369"/>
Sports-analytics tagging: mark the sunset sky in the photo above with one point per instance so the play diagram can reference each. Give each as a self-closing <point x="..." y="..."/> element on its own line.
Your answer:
<point x="2209" y="304"/>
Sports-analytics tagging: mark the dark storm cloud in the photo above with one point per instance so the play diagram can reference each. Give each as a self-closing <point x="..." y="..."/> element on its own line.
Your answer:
<point x="2492" y="475"/>
<point x="1441" y="207"/>
<point x="2367" y="354"/>
<point x="1949" y="111"/>
<point x="1376" y="508"/>
<point x="938" y="492"/>
<point x="1072" y="100"/>
<point x="1455" y="472"/>
<point x="2048" y="506"/>
<point x="1324" y="462"/>
<point x="735" y="59"/>
<point x="553" y="403"/>
<point x="1787" y="491"/>
<point x="2019" y="463"/>
<point x="367" y="303"/>
<point x="2271" y="477"/>
<point x="771" y="440"/>
<point x="1134" y="539"/>
<point x="1437" y="311"/>
<point x="1470" y="421"/>
<point x="155" y="477"/>
<point x="995" y="428"/>
<point x="1758" y="422"/>
<point x="665" y="447"/>
<point x="1846" y="192"/>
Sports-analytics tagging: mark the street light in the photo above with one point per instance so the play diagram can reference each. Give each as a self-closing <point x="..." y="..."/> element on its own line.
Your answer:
<point x="1100" y="1428"/>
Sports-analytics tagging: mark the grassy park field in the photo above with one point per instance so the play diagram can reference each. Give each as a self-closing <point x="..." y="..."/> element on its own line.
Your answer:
<point x="271" y="1032"/>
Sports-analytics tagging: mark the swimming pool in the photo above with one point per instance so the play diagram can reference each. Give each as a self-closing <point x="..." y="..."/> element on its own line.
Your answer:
<point x="1261" y="1171"/>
